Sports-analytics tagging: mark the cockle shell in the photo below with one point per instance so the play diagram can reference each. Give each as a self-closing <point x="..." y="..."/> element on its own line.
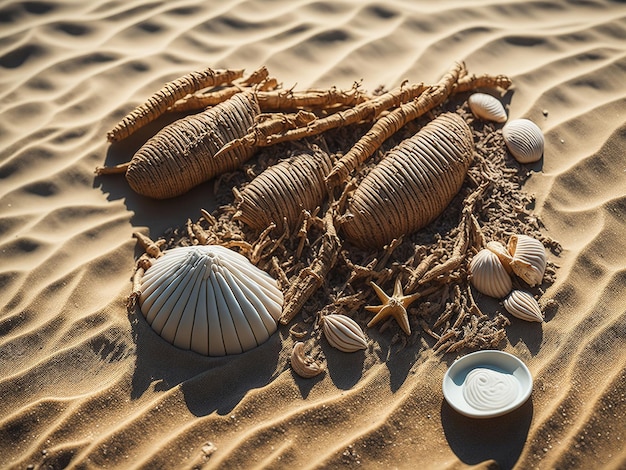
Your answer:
<point x="523" y="305"/>
<point x="302" y="364"/>
<point x="210" y="299"/>
<point x="343" y="333"/>
<point x="528" y="258"/>
<point x="487" y="107"/>
<point x="489" y="276"/>
<point x="524" y="140"/>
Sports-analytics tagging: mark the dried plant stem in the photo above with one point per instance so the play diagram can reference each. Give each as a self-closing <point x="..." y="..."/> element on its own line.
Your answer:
<point x="160" y="101"/>
<point x="311" y="278"/>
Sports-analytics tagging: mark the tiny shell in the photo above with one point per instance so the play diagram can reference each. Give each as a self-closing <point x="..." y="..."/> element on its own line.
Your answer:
<point x="524" y="140"/>
<point x="302" y="364"/>
<point x="487" y="107"/>
<point x="210" y="299"/>
<point x="343" y="333"/>
<point x="529" y="258"/>
<point x="489" y="276"/>
<point x="522" y="305"/>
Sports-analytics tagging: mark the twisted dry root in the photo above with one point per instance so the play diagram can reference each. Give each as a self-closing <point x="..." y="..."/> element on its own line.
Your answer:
<point x="311" y="278"/>
<point x="160" y="101"/>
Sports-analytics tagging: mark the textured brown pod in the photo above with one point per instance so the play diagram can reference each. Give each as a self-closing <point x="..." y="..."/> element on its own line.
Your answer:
<point x="412" y="185"/>
<point x="528" y="258"/>
<point x="343" y="333"/>
<point x="285" y="190"/>
<point x="489" y="276"/>
<point x="487" y="107"/>
<point x="524" y="140"/>
<point x="302" y="364"/>
<point x="180" y="156"/>
<point x="523" y="305"/>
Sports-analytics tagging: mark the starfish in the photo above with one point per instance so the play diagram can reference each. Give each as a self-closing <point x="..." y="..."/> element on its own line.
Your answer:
<point x="394" y="306"/>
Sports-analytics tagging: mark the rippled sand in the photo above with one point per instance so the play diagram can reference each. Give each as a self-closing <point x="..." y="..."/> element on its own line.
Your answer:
<point x="83" y="383"/>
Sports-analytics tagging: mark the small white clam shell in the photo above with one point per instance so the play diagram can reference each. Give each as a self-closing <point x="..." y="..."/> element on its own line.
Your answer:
<point x="489" y="276"/>
<point x="524" y="140"/>
<point x="528" y="258"/>
<point x="487" y="107"/>
<point x="302" y="364"/>
<point x="210" y="299"/>
<point x="343" y="333"/>
<point x="523" y="305"/>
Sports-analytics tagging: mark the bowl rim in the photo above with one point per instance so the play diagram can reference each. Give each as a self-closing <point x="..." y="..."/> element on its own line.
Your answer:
<point x="500" y="361"/>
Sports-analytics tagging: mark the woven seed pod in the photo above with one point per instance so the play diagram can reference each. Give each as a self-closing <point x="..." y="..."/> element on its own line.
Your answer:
<point x="285" y="190"/>
<point x="210" y="299"/>
<point x="412" y="185"/>
<point x="180" y="156"/>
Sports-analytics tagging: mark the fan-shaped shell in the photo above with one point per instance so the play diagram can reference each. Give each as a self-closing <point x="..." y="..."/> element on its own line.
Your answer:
<point x="487" y="107"/>
<point x="529" y="258"/>
<point x="489" y="276"/>
<point x="210" y="299"/>
<point x="523" y="305"/>
<point x="343" y="333"/>
<point x="412" y="185"/>
<point x="524" y="140"/>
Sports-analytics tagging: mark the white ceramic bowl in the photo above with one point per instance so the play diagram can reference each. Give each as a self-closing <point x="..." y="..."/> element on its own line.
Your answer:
<point x="486" y="384"/>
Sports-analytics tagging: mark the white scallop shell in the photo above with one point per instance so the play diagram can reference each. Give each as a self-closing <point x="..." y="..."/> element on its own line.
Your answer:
<point x="524" y="140"/>
<point x="529" y="258"/>
<point x="343" y="333"/>
<point x="210" y="299"/>
<point x="489" y="276"/>
<point x="487" y="107"/>
<point x="523" y="305"/>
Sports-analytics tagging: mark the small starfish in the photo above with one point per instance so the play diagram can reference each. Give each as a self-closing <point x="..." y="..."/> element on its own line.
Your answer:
<point x="394" y="306"/>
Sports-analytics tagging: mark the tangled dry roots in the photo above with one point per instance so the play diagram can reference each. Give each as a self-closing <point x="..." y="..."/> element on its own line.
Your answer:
<point x="433" y="261"/>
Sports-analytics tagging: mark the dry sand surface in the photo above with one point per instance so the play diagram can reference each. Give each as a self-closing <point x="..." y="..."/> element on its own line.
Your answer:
<point x="84" y="384"/>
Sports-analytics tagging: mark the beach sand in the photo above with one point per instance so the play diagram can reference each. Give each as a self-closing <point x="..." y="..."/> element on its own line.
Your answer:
<point x="84" y="384"/>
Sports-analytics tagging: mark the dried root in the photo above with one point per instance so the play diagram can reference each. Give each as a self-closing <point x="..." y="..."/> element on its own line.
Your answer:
<point x="158" y="103"/>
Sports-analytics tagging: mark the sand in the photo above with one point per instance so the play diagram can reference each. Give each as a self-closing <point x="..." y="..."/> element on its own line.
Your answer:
<point x="86" y="385"/>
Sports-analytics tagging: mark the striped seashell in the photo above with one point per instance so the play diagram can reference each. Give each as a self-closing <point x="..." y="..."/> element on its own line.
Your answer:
<point x="210" y="299"/>
<point x="524" y="140"/>
<point x="343" y="333"/>
<point x="528" y="258"/>
<point x="488" y="275"/>
<point x="523" y="305"/>
<point x="302" y="364"/>
<point x="412" y="185"/>
<point x="285" y="190"/>
<point x="487" y="107"/>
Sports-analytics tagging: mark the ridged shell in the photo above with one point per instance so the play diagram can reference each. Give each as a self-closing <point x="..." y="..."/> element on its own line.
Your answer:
<point x="302" y="364"/>
<point x="210" y="299"/>
<point x="489" y="276"/>
<point x="412" y="185"/>
<point x="524" y="140"/>
<point x="284" y="190"/>
<point x="487" y="107"/>
<point x="343" y="333"/>
<point x="523" y="305"/>
<point x="529" y="258"/>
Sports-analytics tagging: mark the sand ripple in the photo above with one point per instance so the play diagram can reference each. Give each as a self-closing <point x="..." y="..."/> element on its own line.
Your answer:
<point x="85" y="384"/>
